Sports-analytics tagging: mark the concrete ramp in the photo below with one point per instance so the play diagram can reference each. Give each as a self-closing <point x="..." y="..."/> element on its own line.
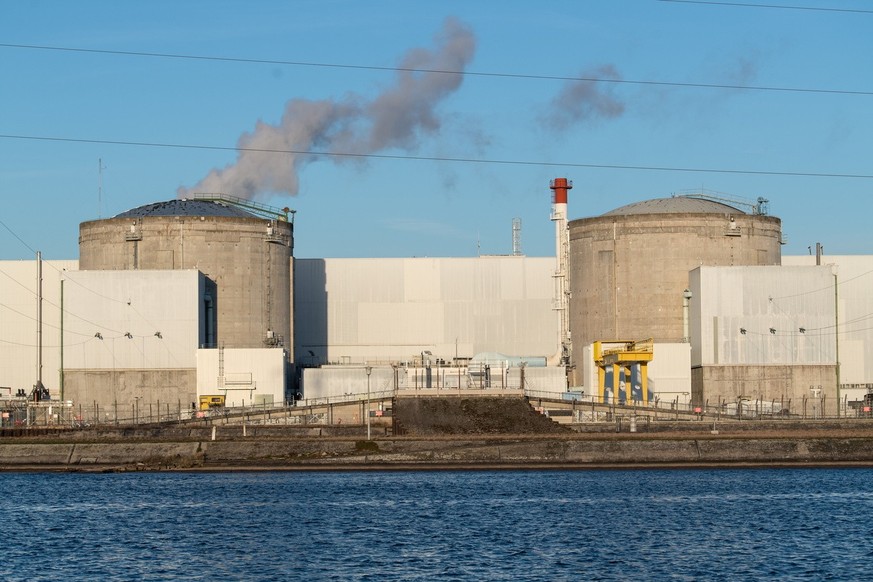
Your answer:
<point x="448" y="415"/>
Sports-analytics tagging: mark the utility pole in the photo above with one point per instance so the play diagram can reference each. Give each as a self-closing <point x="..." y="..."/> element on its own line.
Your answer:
<point x="369" y="369"/>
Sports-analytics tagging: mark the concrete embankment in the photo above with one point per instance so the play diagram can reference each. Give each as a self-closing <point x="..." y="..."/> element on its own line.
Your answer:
<point x="461" y="453"/>
<point x="463" y="433"/>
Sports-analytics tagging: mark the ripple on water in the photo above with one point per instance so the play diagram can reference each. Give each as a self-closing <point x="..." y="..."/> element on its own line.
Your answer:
<point x="551" y="525"/>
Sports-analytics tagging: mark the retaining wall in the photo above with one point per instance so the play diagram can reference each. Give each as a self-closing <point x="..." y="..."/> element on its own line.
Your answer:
<point x="387" y="453"/>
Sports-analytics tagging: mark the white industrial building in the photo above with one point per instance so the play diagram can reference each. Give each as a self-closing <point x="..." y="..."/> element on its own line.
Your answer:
<point x="413" y="312"/>
<point x="429" y="317"/>
<point x="243" y="376"/>
<point x="851" y="285"/>
<point x="131" y="338"/>
<point x="396" y="309"/>
<point x="762" y="333"/>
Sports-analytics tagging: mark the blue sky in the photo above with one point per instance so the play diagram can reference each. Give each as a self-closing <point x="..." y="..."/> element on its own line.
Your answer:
<point x="405" y="201"/>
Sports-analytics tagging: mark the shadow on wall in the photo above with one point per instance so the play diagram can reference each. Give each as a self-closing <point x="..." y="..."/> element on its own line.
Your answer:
<point x="310" y="313"/>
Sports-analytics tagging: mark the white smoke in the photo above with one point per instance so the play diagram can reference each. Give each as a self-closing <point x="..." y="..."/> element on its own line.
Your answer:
<point x="394" y="119"/>
<point x="587" y="100"/>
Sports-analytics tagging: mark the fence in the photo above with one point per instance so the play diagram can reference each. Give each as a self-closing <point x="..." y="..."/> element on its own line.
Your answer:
<point x="807" y="408"/>
<point x="16" y="413"/>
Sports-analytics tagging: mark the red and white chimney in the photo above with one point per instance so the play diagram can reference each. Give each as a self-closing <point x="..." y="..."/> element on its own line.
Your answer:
<point x="559" y="187"/>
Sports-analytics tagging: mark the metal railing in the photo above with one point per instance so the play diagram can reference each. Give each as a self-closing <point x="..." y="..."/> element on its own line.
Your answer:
<point x="805" y="408"/>
<point x="334" y="409"/>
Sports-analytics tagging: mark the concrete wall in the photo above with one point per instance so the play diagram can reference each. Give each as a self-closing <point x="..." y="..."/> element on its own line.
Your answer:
<point x="392" y="310"/>
<point x="18" y="324"/>
<point x="250" y="376"/>
<point x="248" y="259"/>
<point x="480" y="451"/>
<point x="628" y="272"/>
<point x="129" y="392"/>
<point x="768" y="382"/>
<point x="351" y="381"/>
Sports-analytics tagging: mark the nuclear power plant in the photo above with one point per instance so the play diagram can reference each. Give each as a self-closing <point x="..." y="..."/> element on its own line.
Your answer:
<point x="684" y="300"/>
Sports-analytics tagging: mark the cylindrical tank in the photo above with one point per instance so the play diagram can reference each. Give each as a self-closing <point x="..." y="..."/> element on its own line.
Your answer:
<point x="245" y="257"/>
<point x="629" y="267"/>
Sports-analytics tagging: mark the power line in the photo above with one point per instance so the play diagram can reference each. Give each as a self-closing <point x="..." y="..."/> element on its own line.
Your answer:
<point x="69" y="345"/>
<point x="437" y="158"/>
<point x="45" y="323"/>
<point x="3" y="224"/>
<point x="61" y="272"/>
<point x="31" y="249"/>
<point x="828" y="288"/>
<point x="485" y="74"/>
<point x="785" y="7"/>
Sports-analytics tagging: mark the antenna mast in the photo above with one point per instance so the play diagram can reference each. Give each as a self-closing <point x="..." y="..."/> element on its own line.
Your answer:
<point x="516" y="237"/>
<point x="100" y="168"/>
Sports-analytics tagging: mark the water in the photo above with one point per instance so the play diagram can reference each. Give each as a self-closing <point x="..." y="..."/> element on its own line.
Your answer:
<point x="814" y="524"/>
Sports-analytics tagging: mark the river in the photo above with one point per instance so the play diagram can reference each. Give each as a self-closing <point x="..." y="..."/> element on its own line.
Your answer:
<point x="721" y="524"/>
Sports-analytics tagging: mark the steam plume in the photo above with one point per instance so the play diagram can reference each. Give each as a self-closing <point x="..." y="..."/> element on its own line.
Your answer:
<point x="585" y="100"/>
<point x="393" y="119"/>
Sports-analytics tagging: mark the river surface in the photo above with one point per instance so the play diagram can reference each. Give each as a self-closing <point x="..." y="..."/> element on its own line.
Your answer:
<point x="724" y="524"/>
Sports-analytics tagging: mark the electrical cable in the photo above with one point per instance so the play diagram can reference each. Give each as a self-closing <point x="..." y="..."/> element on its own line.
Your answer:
<point x="828" y="288"/>
<point x="439" y="71"/>
<point x="437" y="158"/>
<point x="785" y="7"/>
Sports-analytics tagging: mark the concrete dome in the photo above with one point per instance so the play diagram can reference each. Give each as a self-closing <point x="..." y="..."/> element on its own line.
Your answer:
<point x="185" y="207"/>
<point x="675" y="205"/>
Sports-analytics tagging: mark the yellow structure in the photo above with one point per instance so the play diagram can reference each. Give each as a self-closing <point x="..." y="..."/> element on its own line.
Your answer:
<point x="622" y="355"/>
<point x="211" y="401"/>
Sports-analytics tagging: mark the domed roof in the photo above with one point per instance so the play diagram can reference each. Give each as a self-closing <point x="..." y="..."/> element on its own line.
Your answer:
<point x="186" y="207"/>
<point x="675" y="205"/>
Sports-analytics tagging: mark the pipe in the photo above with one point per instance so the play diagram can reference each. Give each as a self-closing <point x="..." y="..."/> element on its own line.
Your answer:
<point x="686" y="333"/>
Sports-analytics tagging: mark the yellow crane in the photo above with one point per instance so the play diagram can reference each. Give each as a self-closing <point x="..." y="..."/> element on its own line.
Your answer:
<point x="622" y="355"/>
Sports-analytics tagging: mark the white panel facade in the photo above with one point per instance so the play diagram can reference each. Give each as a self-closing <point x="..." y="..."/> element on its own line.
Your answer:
<point x="18" y="324"/>
<point x="670" y="371"/>
<point x="762" y="316"/>
<point x="245" y="377"/>
<point x="393" y="310"/>
<point x="344" y="382"/>
<point x="855" y="289"/>
<point x="132" y="319"/>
